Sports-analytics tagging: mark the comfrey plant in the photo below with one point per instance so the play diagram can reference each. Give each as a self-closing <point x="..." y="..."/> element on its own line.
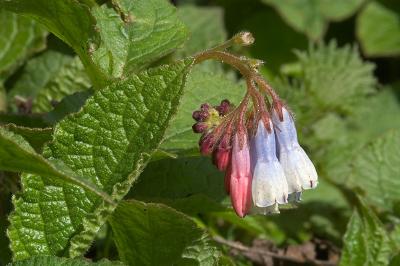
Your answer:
<point x="256" y="142"/>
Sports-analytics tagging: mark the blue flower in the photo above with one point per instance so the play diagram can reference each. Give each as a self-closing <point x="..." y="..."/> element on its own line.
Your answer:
<point x="269" y="185"/>
<point x="299" y="170"/>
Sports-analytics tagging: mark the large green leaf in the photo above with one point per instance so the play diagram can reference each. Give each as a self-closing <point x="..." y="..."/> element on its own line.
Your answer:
<point x="17" y="155"/>
<point x="366" y="243"/>
<point x="20" y="37"/>
<point x="378" y="29"/>
<point x="154" y="234"/>
<point x="376" y="171"/>
<point x="312" y="17"/>
<point x="202" y="86"/>
<point x="56" y="261"/>
<point x="112" y="41"/>
<point x="109" y="141"/>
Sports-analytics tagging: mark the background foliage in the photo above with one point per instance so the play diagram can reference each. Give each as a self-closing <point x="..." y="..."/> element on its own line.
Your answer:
<point x="97" y="154"/>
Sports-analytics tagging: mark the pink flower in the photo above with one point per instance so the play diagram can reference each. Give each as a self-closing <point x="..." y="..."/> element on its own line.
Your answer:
<point x="240" y="176"/>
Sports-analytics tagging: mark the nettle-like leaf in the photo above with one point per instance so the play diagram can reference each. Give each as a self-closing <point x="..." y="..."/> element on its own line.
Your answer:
<point x="378" y="29"/>
<point x="20" y="37"/>
<point x="202" y="86"/>
<point x="109" y="141"/>
<point x="71" y="78"/>
<point x="336" y="77"/>
<point x="366" y="241"/>
<point x="15" y="152"/>
<point x="49" y="77"/>
<point x="376" y="171"/>
<point x="56" y="261"/>
<point x="37" y="73"/>
<point x="112" y="41"/>
<point x="154" y="234"/>
<point x="312" y="17"/>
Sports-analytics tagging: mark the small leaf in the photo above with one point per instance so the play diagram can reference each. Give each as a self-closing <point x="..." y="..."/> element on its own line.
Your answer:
<point x="56" y="261"/>
<point x="378" y="29"/>
<point x="109" y="141"/>
<point x="312" y="17"/>
<point x="376" y="171"/>
<point x="366" y="243"/>
<point x="154" y="234"/>
<point x="20" y="37"/>
<point x="17" y="155"/>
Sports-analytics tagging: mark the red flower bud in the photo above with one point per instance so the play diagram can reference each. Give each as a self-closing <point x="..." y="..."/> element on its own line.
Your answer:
<point x="206" y="144"/>
<point x="240" y="178"/>
<point x="200" y="116"/>
<point x="199" y="127"/>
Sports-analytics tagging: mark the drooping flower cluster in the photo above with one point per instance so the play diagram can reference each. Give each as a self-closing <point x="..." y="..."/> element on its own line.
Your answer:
<point x="256" y="142"/>
<point x="258" y="149"/>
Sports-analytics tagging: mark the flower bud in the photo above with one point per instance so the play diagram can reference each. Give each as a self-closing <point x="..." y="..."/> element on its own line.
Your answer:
<point x="200" y="116"/>
<point x="240" y="177"/>
<point x="221" y="155"/>
<point x="244" y="38"/>
<point x="206" y="144"/>
<point x="223" y="108"/>
<point x="199" y="127"/>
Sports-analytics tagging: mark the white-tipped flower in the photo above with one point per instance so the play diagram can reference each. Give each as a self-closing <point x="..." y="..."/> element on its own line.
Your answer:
<point x="269" y="184"/>
<point x="299" y="170"/>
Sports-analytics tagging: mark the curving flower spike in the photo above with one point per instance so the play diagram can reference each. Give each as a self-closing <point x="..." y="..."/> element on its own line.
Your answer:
<point x="240" y="177"/>
<point x="269" y="184"/>
<point x="299" y="170"/>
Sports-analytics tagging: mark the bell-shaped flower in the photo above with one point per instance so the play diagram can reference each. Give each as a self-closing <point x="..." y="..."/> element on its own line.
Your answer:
<point x="299" y="170"/>
<point x="269" y="185"/>
<point x="240" y="176"/>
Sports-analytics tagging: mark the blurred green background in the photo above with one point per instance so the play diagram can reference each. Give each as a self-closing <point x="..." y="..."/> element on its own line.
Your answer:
<point x="335" y="63"/>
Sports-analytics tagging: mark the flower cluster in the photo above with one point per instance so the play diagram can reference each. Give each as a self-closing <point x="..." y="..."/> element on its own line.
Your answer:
<point x="263" y="162"/>
<point x="255" y="143"/>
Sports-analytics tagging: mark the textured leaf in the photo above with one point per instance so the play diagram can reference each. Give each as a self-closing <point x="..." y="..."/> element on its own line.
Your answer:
<point x="56" y="261"/>
<point x="109" y="46"/>
<point x="376" y="171"/>
<point x="19" y="38"/>
<point x="37" y="73"/>
<point x="337" y="72"/>
<point x="201" y="87"/>
<point x="108" y="141"/>
<point x="312" y="17"/>
<point x="70" y="79"/>
<point x="15" y="152"/>
<point x="366" y="243"/>
<point x="378" y="29"/>
<point x="154" y="234"/>
<point x="36" y="137"/>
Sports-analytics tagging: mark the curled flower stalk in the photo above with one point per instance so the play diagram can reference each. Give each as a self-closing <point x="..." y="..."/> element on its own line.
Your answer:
<point x="254" y="143"/>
